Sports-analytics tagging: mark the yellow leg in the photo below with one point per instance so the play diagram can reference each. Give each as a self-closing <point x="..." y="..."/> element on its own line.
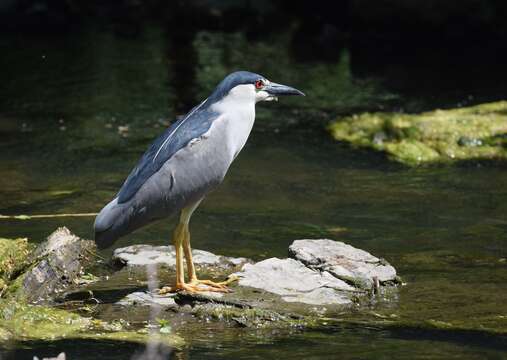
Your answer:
<point x="180" y="279"/>
<point x="191" y="268"/>
<point x="178" y="236"/>
<point x="181" y="240"/>
<point x="188" y="255"/>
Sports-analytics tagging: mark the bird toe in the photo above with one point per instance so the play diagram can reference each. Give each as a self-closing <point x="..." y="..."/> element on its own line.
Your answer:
<point x="195" y="287"/>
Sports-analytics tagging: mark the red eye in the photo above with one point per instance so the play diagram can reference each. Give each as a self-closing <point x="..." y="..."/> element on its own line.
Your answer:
<point x="259" y="84"/>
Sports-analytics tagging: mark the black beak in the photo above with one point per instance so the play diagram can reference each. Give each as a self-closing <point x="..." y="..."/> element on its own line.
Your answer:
<point x="279" y="89"/>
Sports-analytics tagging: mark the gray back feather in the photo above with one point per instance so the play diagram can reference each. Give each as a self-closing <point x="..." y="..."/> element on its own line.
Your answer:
<point x="177" y="136"/>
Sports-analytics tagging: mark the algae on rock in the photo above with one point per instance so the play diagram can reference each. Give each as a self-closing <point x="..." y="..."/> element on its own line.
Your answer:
<point x="21" y="321"/>
<point x="475" y="132"/>
<point x="13" y="257"/>
<point x="31" y="276"/>
<point x="54" y="265"/>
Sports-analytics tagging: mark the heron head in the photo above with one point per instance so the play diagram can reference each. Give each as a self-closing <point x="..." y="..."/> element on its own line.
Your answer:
<point x="252" y="86"/>
<point x="266" y="90"/>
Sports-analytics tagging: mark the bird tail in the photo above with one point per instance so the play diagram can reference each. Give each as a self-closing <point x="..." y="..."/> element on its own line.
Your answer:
<point x="105" y="226"/>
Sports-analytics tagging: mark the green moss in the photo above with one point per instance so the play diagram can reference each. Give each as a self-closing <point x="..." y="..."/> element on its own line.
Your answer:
<point x="356" y="282"/>
<point x="136" y="336"/>
<point x="15" y="289"/>
<point x="4" y="334"/>
<point x="13" y="257"/>
<point x="475" y="132"/>
<point x="39" y="322"/>
<point x="32" y="322"/>
<point x="250" y="317"/>
<point x="412" y="152"/>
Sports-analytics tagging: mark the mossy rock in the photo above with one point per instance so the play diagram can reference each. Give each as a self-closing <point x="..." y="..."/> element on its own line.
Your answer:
<point x="249" y="317"/>
<point x="441" y="136"/>
<point x="14" y="258"/>
<point x="21" y="321"/>
<point x="5" y="334"/>
<point x="55" y="264"/>
<point x="25" y="321"/>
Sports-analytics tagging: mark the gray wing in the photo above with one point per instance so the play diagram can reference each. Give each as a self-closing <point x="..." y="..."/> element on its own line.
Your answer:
<point x="178" y="135"/>
<point x="187" y="176"/>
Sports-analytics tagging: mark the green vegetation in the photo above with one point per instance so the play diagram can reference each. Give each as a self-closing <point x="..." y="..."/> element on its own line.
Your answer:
<point x="328" y="85"/>
<point x="251" y="317"/>
<point x="20" y="321"/>
<point x="25" y="321"/>
<point x="476" y="132"/>
<point x="13" y="259"/>
<point x="13" y="256"/>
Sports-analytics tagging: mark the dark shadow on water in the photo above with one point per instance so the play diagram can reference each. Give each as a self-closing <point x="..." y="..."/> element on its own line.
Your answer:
<point x="472" y="338"/>
<point x="463" y="337"/>
<point x="76" y="349"/>
<point x="111" y="296"/>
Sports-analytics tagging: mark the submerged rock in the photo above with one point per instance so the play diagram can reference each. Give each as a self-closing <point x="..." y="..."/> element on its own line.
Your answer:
<point x="475" y="132"/>
<point x="38" y="322"/>
<point x="55" y="264"/>
<point x="148" y="299"/>
<point x="142" y="255"/>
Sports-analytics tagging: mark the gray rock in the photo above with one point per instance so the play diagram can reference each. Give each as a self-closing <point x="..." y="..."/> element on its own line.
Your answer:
<point x="142" y="298"/>
<point x="142" y="255"/>
<point x="58" y="263"/>
<point x="345" y="262"/>
<point x="320" y="272"/>
<point x="294" y="282"/>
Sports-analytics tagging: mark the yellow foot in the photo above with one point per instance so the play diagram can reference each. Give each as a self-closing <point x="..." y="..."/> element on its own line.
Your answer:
<point x="197" y="285"/>
<point x="192" y="288"/>
<point x="216" y="285"/>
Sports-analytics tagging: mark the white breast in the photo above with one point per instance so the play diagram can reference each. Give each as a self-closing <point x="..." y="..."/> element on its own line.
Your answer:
<point x="237" y="110"/>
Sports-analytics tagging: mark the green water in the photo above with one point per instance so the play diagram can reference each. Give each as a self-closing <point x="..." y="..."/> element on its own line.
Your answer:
<point x="63" y="98"/>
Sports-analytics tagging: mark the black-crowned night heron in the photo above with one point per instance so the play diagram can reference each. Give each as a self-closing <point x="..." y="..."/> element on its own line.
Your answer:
<point x="185" y="163"/>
